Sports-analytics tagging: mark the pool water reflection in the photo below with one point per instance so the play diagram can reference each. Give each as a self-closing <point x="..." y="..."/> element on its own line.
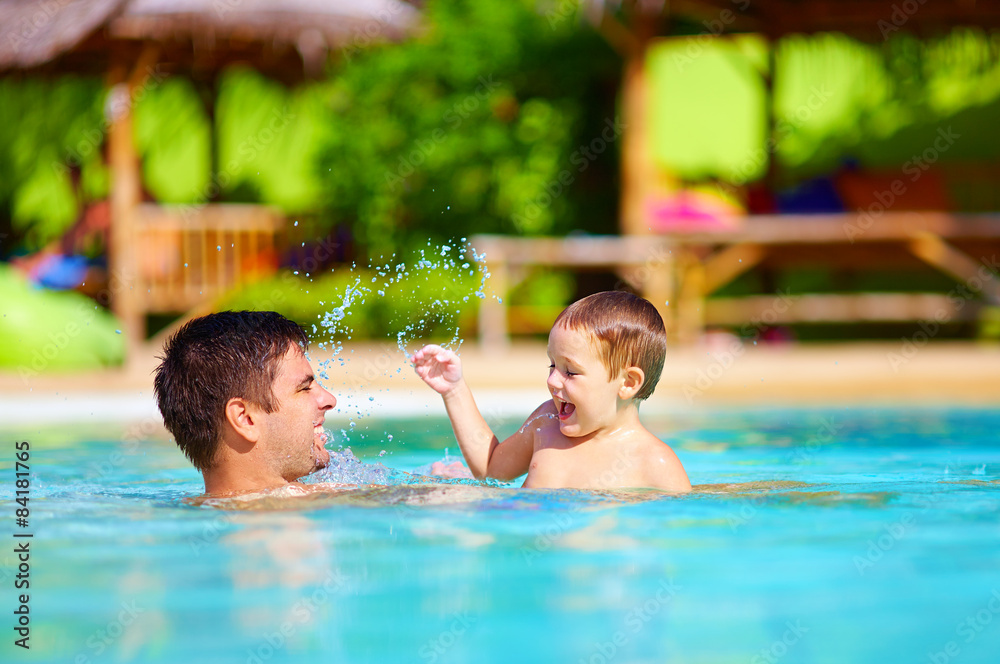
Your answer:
<point x="823" y="536"/>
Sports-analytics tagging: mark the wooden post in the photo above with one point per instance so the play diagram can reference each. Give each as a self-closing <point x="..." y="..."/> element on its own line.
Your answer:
<point x="636" y="157"/>
<point x="125" y="194"/>
<point x="637" y="161"/>
<point x="659" y="289"/>
<point x="639" y="173"/>
<point x="691" y="299"/>
<point x="126" y="191"/>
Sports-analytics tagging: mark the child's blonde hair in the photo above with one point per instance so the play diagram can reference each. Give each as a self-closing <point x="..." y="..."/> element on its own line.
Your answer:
<point x="627" y="331"/>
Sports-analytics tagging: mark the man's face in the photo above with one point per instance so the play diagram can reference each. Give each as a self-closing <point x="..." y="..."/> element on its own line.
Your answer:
<point x="295" y="438"/>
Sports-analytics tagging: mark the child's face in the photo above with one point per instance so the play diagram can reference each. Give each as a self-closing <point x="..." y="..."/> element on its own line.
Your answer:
<point x="586" y="400"/>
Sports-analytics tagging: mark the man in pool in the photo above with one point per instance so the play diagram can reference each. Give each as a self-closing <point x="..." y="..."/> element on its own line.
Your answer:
<point x="238" y="395"/>
<point x="606" y="353"/>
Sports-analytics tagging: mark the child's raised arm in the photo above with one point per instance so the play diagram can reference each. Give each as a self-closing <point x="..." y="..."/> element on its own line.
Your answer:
<point x="487" y="457"/>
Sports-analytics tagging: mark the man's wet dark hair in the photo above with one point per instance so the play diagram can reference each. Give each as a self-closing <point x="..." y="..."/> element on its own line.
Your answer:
<point x="213" y="359"/>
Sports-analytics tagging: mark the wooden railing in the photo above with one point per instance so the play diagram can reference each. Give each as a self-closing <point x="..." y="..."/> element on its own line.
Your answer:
<point x="678" y="272"/>
<point x="509" y="259"/>
<point x="187" y="256"/>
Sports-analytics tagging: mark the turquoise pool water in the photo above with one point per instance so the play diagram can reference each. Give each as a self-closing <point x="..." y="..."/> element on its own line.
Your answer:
<point x="859" y="536"/>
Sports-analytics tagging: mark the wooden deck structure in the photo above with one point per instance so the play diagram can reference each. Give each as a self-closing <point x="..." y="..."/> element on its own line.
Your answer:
<point x="176" y="259"/>
<point x="685" y="268"/>
<point x="632" y="26"/>
<point x="125" y="39"/>
<point x="190" y="257"/>
<point x="679" y="272"/>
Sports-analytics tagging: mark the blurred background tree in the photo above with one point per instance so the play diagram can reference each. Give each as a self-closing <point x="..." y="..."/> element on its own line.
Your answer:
<point x="478" y="121"/>
<point x="461" y="129"/>
<point x="457" y="130"/>
<point x="467" y="126"/>
<point x="50" y="156"/>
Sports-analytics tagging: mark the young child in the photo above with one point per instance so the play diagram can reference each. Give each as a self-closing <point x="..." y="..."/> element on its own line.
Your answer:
<point x="606" y="352"/>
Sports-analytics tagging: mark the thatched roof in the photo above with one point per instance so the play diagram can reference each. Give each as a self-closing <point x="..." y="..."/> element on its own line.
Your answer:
<point x="37" y="32"/>
<point x="869" y="20"/>
<point x="81" y="33"/>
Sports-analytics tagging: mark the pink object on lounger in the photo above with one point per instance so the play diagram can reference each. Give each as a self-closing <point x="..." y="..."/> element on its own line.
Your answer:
<point x="692" y="211"/>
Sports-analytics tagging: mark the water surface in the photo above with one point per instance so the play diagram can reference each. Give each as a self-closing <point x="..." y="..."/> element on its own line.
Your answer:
<point x="821" y="536"/>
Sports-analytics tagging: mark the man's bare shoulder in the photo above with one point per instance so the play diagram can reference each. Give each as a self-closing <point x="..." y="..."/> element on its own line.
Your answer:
<point x="268" y="497"/>
<point x="303" y="496"/>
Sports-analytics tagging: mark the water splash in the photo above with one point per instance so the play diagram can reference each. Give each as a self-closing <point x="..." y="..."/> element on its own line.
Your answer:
<point x="428" y="292"/>
<point x="345" y="468"/>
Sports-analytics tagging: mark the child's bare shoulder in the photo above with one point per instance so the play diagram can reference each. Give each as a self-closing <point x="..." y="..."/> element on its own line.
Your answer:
<point x="543" y="426"/>
<point x="544" y="416"/>
<point x="662" y="467"/>
<point x="547" y="408"/>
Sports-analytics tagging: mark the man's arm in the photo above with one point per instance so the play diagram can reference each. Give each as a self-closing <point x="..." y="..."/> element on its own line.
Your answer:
<point x="441" y="369"/>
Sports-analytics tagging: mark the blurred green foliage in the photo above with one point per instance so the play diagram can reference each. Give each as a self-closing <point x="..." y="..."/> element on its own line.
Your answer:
<point x="464" y="127"/>
<point x="469" y="126"/>
<point x="174" y="140"/>
<point x="834" y="97"/>
<point x="988" y="327"/>
<point x="268" y="138"/>
<point x="265" y="142"/>
<point x="424" y="304"/>
<point x="43" y="331"/>
<point x="544" y="287"/>
<point x="51" y="133"/>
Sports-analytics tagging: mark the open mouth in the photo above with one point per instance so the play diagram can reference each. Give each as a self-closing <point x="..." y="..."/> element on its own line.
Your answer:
<point x="320" y="438"/>
<point x="320" y="433"/>
<point x="566" y="409"/>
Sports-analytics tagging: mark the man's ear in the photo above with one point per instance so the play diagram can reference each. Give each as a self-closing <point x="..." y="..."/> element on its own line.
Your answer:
<point x="632" y="383"/>
<point x="244" y="418"/>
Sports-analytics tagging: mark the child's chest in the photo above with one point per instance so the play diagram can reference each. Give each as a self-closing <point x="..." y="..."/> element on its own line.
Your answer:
<point x="583" y="466"/>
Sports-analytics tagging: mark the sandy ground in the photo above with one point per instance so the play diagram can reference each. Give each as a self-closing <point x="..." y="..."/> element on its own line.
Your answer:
<point x="374" y="379"/>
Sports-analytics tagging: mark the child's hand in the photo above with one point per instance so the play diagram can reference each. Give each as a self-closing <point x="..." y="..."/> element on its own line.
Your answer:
<point x="438" y="367"/>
